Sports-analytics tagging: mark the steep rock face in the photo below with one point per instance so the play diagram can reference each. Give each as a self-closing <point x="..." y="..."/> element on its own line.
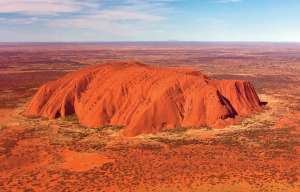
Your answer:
<point x="144" y="99"/>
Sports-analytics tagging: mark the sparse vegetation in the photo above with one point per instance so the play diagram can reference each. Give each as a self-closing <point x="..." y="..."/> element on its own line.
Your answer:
<point x="255" y="154"/>
<point x="177" y="130"/>
<point x="114" y="128"/>
<point x="72" y="118"/>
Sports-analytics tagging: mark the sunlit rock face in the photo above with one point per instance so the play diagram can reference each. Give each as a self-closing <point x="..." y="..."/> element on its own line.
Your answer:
<point x="144" y="99"/>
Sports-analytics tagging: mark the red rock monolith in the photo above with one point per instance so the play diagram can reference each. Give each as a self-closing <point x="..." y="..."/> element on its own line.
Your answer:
<point x="144" y="99"/>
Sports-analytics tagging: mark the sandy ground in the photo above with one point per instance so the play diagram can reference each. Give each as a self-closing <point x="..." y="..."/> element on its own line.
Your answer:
<point x="6" y="116"/>
<point x="261" y="153"/>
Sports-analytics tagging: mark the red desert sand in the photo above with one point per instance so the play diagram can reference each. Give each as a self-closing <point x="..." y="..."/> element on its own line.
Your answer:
<point x="144" y="99"/>
<point x="79" y="161"/>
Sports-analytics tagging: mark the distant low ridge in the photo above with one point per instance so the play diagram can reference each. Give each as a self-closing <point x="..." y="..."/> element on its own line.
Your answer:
<point x="144" y="99"/>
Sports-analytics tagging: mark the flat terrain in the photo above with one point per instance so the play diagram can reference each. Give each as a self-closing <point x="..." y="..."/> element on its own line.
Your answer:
<point x="262" y="153"/>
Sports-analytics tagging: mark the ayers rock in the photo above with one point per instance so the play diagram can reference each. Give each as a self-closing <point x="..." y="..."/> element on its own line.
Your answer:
<point x="144" y="99"/>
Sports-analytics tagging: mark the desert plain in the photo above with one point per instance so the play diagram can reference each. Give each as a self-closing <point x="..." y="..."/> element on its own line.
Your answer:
<point x="259" y="153"/>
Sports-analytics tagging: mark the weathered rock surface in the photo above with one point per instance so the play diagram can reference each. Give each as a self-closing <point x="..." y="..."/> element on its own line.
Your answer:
<point x="144" y="99"/>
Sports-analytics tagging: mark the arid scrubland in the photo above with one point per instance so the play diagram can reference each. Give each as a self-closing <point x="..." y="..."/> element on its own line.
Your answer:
<point x="261" y="153"/>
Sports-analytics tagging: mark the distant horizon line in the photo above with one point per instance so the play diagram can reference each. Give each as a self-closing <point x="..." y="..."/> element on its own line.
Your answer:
<point x="167" y="41"/>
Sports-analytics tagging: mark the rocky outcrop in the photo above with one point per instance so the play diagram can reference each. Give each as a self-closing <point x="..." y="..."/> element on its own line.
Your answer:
<point x="144" y="99"/>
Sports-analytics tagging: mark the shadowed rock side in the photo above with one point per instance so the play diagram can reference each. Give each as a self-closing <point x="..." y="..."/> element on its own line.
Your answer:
<point x="143" y="98"/>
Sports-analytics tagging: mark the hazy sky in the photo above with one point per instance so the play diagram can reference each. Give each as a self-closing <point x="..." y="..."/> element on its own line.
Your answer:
<point x="149" y="20"/>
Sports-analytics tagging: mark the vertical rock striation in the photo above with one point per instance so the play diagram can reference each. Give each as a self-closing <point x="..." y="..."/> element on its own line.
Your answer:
<point x="144" y="99"/>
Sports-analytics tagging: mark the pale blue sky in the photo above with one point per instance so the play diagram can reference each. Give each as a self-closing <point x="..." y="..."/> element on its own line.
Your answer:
<point x="150" y="20"/>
